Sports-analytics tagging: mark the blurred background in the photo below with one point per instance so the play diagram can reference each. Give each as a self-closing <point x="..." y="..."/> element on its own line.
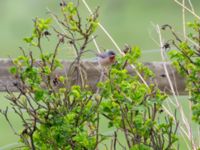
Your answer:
<point x="128" y="21"/>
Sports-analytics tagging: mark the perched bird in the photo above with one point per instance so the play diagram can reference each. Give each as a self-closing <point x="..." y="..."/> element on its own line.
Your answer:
<point x="107" y="58"/>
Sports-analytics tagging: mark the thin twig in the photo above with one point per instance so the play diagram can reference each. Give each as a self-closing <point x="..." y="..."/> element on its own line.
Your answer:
<point x="183" y="18"/>
<point x="190" y="11"/>
<point x="185" y="121"/>
<point x="192" y="8"/>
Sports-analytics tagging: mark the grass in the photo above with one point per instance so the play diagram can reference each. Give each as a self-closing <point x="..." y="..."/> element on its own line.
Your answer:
<point x="127" y="21"/>
<point x="6" y="134"/>
<point x="185" y="104"/>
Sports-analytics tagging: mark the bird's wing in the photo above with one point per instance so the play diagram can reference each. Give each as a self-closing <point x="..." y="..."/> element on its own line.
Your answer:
<point x="103" y="55"/>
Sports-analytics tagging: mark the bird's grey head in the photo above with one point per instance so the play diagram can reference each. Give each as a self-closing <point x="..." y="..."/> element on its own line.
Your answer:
<point x="111" y="53"/>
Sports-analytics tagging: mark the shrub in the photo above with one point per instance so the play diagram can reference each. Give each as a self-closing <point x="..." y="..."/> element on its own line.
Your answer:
<point x="135" y="108"/>
<point x="57" y="114"/>
<point x="187" y="61"/>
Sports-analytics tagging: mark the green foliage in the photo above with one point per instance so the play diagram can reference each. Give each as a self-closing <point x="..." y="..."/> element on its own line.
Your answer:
<point x="66" y="125"/>
<point x="134" y="108"/>
<point x="57" y="114"/>
<point x="58" y="118"/>
<point x="73" y="20"/>
<point x="40" y="29"/>
<point x="187" y="61"/>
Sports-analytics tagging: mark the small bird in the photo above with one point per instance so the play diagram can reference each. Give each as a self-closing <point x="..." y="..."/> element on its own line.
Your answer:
<point x="107" y="58"/>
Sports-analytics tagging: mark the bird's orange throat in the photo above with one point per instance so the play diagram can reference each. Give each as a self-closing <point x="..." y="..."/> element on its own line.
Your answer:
<point x="112" y="58"/>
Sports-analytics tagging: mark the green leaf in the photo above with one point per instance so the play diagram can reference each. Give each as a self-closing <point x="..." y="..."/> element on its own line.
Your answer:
<point x="39" y="94"/>
<point x="13" y="70"/>
<point x="28" y="39"/>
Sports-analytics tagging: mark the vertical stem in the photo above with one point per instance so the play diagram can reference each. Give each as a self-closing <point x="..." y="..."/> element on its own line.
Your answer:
<point x="183" y="19"/>
<point x="55" y="54"/>
<point x="124" y="128"/>
<point x="97" y="131"/>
